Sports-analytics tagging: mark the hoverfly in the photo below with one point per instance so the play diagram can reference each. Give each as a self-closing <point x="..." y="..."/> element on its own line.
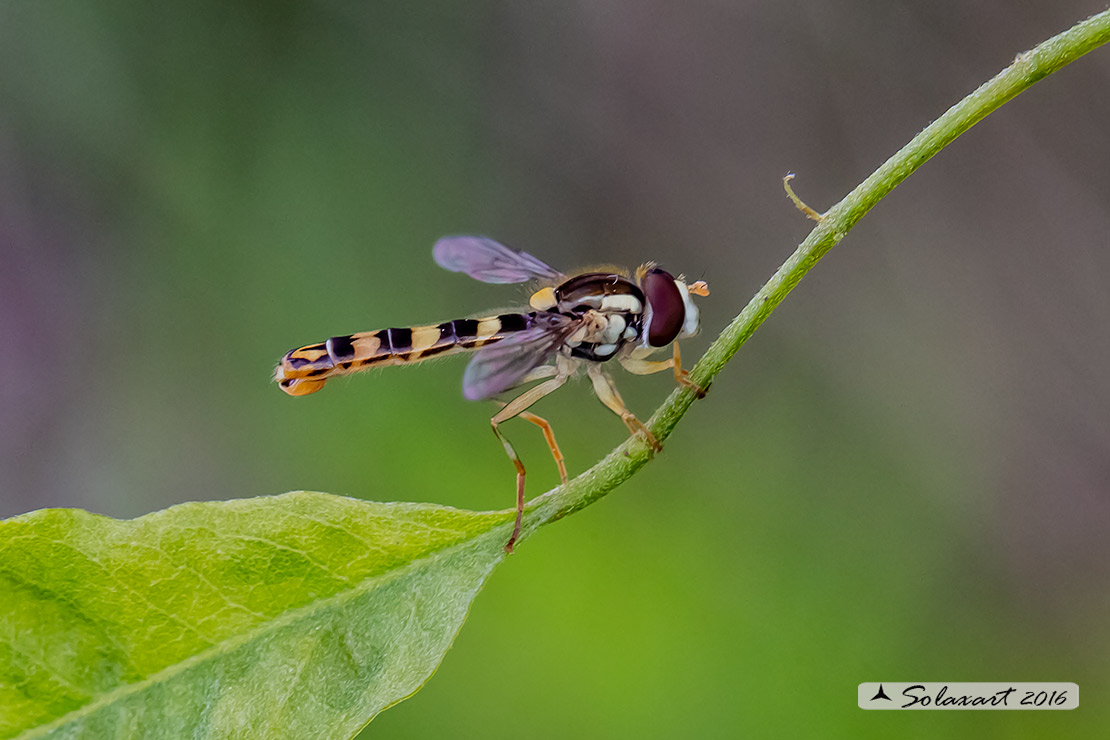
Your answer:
<point x="577" y="321"/>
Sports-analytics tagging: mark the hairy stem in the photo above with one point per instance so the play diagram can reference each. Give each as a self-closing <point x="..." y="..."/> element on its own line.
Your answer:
<point x="1027" y="69"/>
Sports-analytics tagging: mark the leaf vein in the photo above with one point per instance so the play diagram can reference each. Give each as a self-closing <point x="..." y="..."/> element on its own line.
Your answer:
<point x="277" y="622"/>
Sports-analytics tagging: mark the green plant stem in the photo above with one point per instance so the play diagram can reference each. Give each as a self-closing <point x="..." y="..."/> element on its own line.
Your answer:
<point x="1027" y="69"/>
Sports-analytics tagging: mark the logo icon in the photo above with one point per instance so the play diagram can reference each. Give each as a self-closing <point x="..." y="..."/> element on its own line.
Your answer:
<point x="881" y="694"/>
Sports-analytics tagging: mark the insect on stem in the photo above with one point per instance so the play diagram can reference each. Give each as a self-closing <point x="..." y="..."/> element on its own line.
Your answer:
<point x="576" y="323"/>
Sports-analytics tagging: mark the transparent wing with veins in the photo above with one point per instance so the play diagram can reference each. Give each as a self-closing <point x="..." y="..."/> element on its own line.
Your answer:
<point x="504" y="365"/>
<point x="490" y="261"/>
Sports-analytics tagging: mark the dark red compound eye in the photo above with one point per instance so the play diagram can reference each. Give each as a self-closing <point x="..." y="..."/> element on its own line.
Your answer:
<point x="668" y="310"/>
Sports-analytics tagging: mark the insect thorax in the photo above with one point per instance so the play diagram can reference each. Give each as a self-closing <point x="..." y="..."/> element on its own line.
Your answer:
<point x="611" y="309"/>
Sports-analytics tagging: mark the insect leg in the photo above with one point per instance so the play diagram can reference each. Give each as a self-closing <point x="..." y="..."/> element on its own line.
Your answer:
<point x="549" y="437"/>
<point x="608" y="395"/>
<point x="545" y="371"/>
<point x="539" y="373"/>
<point x="682" y="377"/>
<point x="647" y="367"/>
<point x="513" y="408"/>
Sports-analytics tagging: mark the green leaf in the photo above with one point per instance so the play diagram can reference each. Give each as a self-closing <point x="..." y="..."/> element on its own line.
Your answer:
<point x="295" y="616"/>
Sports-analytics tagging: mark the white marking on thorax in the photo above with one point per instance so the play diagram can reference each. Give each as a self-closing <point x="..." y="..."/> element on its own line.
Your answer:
<point x="621" y="302"/>
<point x="612" y="332"/>
<point x="605" y="349"/>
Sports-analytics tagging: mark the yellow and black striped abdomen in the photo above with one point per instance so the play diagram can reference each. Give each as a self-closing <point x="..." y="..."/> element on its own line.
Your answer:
<point x="306" y="369"/>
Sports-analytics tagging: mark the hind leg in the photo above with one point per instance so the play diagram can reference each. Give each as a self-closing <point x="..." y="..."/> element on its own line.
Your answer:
<point x="517" y="407"/>
<point x="607" y="393"/>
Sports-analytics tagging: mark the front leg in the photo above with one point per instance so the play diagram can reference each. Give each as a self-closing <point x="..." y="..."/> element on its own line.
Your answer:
<point x="647" y="367"/>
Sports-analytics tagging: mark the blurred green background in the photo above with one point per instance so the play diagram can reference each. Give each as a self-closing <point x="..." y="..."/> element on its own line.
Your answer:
<point x="903" y="476"/>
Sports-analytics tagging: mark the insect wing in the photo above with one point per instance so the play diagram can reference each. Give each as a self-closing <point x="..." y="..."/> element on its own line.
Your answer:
<point x="501" y="366"/>
<point x="489" y="261"/>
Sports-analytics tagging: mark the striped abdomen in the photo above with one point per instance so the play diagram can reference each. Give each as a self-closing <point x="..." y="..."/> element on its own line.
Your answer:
<point x="305" y="370"/>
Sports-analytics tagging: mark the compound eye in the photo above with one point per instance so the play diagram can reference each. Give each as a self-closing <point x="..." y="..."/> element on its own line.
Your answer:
<point x="668" y="310"/>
